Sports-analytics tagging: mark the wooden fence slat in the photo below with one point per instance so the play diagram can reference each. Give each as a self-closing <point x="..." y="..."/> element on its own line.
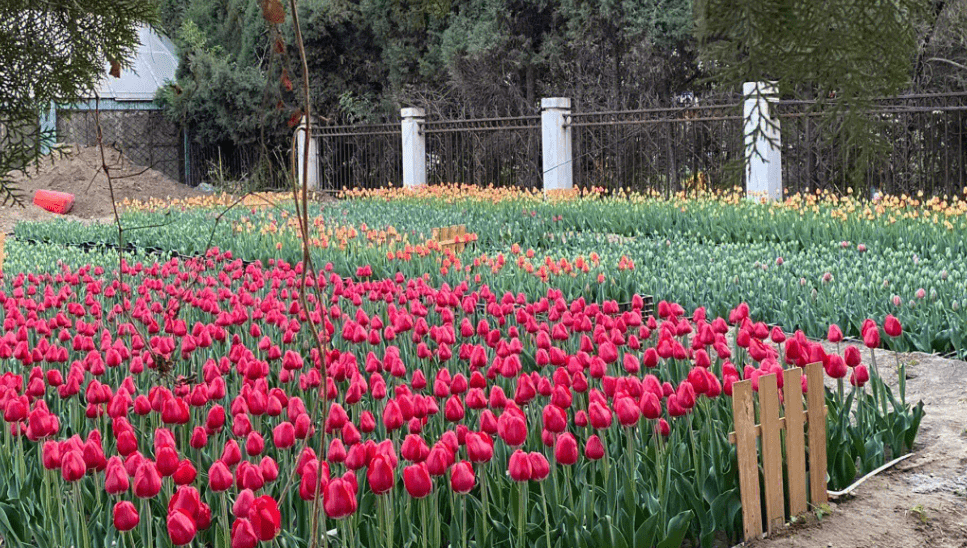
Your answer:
<point x="748" y="458"/>
<point x="462" y="231"/>
<point x="795" y="440"/>
<point x="816" y="400"/>
<point x="771" y="452"/>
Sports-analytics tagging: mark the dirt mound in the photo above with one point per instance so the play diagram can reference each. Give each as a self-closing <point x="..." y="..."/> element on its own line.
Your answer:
<point x="78" y="173"/>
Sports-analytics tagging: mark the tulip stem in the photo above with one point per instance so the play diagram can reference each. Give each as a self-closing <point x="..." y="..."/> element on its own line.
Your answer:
<point x="148" y="539"/>
<point x="522" y="538"/>
<point x="547" y="523"/>
<point x="426" y="531"/>
<point x="79" y="502"/>
<point x="483" y="501"/>
<point x="463" y="509"/>
<point x="226" y="526"/>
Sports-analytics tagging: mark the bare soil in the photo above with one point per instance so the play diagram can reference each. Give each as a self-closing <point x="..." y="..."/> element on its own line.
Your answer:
<point x="79" y="173"/>
<point x="923" y="500"/>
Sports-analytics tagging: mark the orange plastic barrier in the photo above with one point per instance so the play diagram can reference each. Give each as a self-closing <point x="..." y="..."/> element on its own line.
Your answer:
<point x="53" y="201"/>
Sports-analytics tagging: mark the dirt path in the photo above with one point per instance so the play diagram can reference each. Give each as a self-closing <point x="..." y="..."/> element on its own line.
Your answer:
<point x="923" y="500"/>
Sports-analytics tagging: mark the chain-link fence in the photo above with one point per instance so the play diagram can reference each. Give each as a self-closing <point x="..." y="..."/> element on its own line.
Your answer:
<point x="145" y="137"/>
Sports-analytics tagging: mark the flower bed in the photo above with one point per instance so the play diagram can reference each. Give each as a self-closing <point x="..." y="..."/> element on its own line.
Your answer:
<point x="803" y="264"/>
<point x="188" y="402"/>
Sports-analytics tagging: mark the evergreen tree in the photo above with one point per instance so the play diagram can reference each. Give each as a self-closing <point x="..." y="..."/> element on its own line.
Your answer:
<point x="55" y="51"/>
<point x="842" y="53"/>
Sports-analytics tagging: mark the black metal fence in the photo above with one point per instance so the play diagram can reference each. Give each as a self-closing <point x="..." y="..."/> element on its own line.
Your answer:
<point x="923" y="140"/>
<point x="485" y="151"/>
<point x="663" y="149"/>
<point x="359" y="156"/>
<point x="221" y="165"/>
<point x="669" y="149"/>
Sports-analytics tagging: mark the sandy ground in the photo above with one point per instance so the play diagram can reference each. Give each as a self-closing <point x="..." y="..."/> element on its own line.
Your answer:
<point x="923" y="500"/>
<point x="79" y="173"/>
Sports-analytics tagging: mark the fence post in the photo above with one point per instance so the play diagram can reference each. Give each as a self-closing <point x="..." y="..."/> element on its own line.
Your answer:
<point x="556" y="143"/>
<point x="414" y="147"/>
<point x="48" y="126"/>
<point x="312" y="177"/>
<point x="763" y="150"/>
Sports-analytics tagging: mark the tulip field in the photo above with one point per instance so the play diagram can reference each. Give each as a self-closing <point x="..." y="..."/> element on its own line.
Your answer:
<point x="205" y="388"/>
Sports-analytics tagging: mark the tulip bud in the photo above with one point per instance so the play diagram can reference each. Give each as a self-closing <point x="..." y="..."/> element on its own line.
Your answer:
<point x="593" y="449"/>
<point x="519" y="466"/>
<point x="181" y="528"/>
<point x="125" y="516"/>
<point x="416" y="480"/>
<point x="265" y="517"/>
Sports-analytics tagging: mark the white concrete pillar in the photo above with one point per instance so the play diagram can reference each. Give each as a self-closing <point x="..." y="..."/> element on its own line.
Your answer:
<point x="763" y="148"/>
<point x="312" y="176"/>
<point x="556" y="143"/>
<point x="414" y="147"/>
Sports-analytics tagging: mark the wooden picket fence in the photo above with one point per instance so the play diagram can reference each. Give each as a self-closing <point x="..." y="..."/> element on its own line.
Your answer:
<point x="749" y="436"/>
<point x="3" y="238"/>
<point x="451" y="237"/>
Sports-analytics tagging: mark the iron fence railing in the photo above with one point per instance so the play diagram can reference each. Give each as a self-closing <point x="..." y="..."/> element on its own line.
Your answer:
<point x="359" y="156"/>
<point x="485" y="151"/>
<point x="669" y="149"/>
<point x="662" y="149"/>
<point x="923" y="139"/>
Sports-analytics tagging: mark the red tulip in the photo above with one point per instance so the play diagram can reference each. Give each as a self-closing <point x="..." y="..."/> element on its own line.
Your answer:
<point x="283" y="435"/>
<point x="650" y="406"/>
<point x="540" y="468"/>
<point x="242" y="506"/>
<point x="243" y="535"/>
<point x="269" y="469"/>
<point x="836" y="368"/>
<point x="181" y="528"/>
<point x="852" y="356"/>
<point x="254" y="444"/>
<point x="439" y="459"/>
<point x="51" y="455"/>
<point x="462" y="477"/>
<point x="115" y="477"/>
<point x="892" y="326"/>
<point x="860" y="376"/>
<point x="185" y="474"/>
<point x="555" y="420"/>
<point x="416" y="479"/>
<point x="381" y="475"/>
<point x="566" y="449"/>
<point x="512" y="428"/>
<point x="599" y="416"/>
<point x="871" y="337"/>
<point x="627" y="411"/>
<point x="834" y="334"/>
<point x="231" y="454"/>
<point x="167" y="461"/>
<point x="392" y="417"/>
<point x="125" y="516"/>
<point x="147" y="481"/>
<point x="519" y="466"/>
<point x="339" y="498"/>
<point x="265" y="517"/>
<point x="593" y="449"/>
<point x="219" y="477"/>
<point x="479" y="447"/>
